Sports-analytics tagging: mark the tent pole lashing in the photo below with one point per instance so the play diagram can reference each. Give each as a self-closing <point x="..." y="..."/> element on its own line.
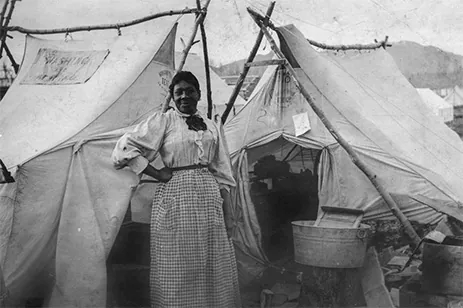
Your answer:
<point x="206" y="63"/>
<point x="102" y="27"/>
<point x="191" y="42"/>
<point x="245" y="70"/>
<point x="353" y="155"/>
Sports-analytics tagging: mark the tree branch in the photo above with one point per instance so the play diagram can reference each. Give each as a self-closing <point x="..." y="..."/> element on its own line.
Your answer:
<point x="102" y="27"/>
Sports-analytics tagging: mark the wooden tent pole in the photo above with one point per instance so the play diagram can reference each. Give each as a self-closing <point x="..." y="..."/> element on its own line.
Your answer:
<point x="382" y="44"/>
<point x="10" y="55"/>
<point x="355" y="158"/>
<point x="6" y="21"/>
<point x="199" y="20"/>
<point x="3" y="12"/>
<point x="101" y="27"/>
<point x="206" y="64"/>
<point x="245" y="70"/>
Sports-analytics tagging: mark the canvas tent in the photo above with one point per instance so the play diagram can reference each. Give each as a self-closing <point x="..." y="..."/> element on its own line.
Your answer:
<point x="59" y="122"/>
<point x="417" y="158"/>
<point x="439" y="106"/>
<point x="455" y="97"/>
<point x="221" y="92"/>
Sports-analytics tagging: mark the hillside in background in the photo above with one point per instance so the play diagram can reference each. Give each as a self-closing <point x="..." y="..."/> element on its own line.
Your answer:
<point x="423" y="66"/>
<point x="428" y="66"/>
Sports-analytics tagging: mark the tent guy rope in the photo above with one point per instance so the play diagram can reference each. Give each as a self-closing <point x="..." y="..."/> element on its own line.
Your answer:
<point x="353" y="155"/>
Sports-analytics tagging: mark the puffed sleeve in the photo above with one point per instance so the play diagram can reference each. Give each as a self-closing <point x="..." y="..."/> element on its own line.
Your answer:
<point x="136" y="149"/>
<point x="220" y="165"/>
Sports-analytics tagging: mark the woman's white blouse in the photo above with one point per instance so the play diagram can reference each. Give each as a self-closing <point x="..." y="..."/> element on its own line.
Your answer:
<point x="167" y="134"/>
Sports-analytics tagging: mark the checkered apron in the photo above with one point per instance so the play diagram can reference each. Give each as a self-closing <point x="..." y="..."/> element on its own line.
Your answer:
<point x="192" y="260"/>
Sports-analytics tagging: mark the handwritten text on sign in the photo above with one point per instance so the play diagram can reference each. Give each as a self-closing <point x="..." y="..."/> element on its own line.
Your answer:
<point x="53" y="67"/>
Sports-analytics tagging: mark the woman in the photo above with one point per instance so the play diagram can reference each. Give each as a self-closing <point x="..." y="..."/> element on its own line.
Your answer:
<point x="192" y="258"/>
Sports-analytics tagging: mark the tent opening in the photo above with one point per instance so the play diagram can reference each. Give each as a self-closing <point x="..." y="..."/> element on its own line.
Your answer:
<point x="283" y="188"/>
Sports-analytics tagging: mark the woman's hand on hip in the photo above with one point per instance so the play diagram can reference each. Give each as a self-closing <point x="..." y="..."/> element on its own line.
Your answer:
<point x="164" y="175"/>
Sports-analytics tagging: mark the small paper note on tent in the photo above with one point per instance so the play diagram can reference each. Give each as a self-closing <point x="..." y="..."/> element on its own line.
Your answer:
<point x="301" y="123"/>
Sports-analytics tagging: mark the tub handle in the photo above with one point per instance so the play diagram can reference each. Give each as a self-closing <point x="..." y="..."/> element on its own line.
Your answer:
<point x="362" y="234"/>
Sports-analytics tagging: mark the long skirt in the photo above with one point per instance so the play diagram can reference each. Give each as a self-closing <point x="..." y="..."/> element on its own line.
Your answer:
<point x="192" y="259"/>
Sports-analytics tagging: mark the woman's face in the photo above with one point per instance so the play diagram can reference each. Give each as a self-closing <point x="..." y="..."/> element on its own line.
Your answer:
<point x="186" y="97"/>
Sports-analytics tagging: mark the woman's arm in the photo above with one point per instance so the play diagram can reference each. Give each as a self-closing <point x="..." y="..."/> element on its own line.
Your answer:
<point x="162" y="175"/>
<point x="136" y="149"/>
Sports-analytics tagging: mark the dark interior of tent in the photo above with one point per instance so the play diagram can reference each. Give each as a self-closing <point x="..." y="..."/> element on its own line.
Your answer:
<point x="283" y="188"/>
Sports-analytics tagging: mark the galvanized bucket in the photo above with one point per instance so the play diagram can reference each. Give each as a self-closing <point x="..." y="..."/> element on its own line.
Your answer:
<point x="328" y="246"/>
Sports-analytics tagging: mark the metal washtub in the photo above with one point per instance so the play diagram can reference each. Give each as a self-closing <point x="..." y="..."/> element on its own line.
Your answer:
<point x="329" y="247"/>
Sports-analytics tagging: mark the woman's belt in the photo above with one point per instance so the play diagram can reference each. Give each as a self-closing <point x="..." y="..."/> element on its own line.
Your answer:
<point x="190" y="167"/>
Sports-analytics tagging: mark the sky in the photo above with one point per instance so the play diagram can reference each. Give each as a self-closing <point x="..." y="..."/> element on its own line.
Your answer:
<point x="231" y="33"/>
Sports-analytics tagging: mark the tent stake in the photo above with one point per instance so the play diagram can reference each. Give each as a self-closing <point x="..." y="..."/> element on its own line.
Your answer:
<point x="199" y="20"/>
<point x="355" y="158"/>
<point x="206" y="64"/>
<point x="245" y="70"/>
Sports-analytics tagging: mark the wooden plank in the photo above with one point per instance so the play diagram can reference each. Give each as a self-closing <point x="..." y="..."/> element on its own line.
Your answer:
<point x="265" y="63"/>
<point x="339" y="217"/>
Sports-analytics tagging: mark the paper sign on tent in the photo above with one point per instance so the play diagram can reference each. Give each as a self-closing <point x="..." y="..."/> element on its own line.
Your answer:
<point x="301" y="123"/>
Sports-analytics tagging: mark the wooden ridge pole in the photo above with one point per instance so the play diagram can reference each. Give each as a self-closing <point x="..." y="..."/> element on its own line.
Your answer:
<point x="355" y="158"/>
<point x="206" y="63"/>
<point x="199" y="20"/>
<point x="245" y="70"/>
<point x="102" y="27"/>
<point x="381" y="44"/>
<point x="376" y="45"/>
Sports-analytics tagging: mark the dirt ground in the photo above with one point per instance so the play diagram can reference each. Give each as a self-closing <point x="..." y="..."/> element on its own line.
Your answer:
<point x="128" y="273"/>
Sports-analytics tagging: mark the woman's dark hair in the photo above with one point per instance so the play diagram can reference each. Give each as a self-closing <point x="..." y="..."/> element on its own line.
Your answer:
<point x="184" y="76"/>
